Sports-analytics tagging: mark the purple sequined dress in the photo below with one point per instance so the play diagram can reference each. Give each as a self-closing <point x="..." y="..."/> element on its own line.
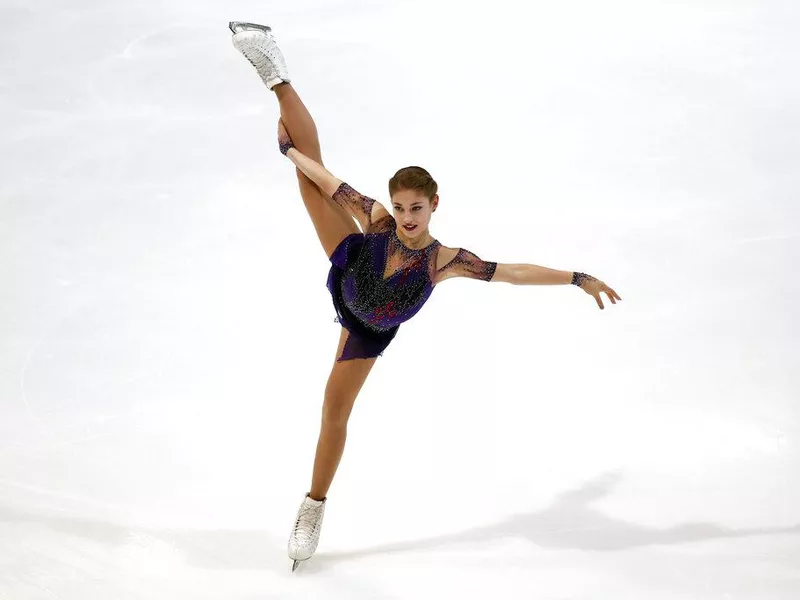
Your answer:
<point x="377" y="282"/>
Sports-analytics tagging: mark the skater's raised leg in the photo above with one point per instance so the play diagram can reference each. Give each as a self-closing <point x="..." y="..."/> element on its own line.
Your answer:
<point x="332" y="222"/>
<point x="256" y="42"/>
<point x="298" y="122"/>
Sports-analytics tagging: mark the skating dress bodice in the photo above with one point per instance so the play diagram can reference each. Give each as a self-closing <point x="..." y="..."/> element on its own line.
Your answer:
<point x="380" y="282"/>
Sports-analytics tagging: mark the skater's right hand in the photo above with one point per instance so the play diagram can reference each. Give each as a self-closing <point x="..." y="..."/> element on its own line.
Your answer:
<point x="284" y="141"/>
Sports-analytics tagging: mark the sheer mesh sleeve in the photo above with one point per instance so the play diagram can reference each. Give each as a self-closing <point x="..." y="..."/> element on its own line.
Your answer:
<point x="359" y="204"/>
<point x="467" y="264"/>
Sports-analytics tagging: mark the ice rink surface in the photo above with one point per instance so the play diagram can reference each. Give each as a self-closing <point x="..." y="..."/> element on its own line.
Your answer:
<point x="167" y="333"/>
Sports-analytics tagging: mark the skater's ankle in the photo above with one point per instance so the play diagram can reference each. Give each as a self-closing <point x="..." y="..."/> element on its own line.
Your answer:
<point x="316" y="497"/>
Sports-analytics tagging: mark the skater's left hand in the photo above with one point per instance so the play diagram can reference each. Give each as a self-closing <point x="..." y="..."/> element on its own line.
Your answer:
<point x="284" y="141"/>
<point x="594" y="287"/>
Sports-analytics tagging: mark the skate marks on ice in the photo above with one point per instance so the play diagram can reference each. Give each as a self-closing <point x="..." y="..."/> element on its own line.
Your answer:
<point x="114" y="556"/>
<point x="198" y="548"/>
<point x="568" y="523"/>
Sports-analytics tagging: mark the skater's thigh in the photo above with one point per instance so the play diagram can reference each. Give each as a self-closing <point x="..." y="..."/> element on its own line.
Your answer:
<point x="331" y="222"/>
<point x="345" y="382"/>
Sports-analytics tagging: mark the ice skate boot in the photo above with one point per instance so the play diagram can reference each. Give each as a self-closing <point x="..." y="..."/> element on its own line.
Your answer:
<point x="305" y="534"/>
<point x="258" y="45"/>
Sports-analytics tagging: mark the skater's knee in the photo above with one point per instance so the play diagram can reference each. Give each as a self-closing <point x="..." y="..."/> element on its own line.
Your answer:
<point x="336" y="411"/>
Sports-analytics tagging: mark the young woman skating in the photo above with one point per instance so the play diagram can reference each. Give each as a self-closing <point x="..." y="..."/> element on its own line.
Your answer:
<point x="380" y="275"/>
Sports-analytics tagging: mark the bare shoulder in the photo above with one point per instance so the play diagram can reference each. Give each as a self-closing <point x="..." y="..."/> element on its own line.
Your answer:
<point x="446" y="255"/>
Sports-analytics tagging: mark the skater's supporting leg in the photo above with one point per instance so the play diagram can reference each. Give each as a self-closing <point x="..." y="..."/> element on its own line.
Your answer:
<point x="330" y="448"/>
<point x="344" y="384"/>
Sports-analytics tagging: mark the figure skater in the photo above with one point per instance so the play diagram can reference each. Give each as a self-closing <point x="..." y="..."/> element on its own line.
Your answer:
<point x="380" y="276"/>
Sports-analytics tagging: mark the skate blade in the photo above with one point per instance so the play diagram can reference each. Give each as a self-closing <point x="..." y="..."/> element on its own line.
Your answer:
<point x="295" y="564"/>
<point x="237" y="26"/>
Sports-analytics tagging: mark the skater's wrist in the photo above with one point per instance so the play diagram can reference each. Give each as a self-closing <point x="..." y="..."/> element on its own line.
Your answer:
<point x="578" y="278"/>
<point x="285" y="146"/>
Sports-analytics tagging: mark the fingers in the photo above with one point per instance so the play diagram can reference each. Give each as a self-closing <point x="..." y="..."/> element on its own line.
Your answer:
<point x="612" y="295"/>
<point x="599" y="300"/>
<point x="598" y="288"/>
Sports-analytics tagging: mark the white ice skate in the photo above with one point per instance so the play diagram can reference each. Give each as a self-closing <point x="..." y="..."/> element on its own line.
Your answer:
<point x="258" y="45"/>
<point x="305" y="534"/>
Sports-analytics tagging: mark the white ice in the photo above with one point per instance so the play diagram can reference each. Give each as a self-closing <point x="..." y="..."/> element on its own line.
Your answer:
<point x="166" y="333"/>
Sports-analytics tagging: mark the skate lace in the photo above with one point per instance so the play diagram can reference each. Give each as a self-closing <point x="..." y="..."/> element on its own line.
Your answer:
<point x="258" y="60"/>
<point x="307" y="524"/>
<point x="261" y="55"/>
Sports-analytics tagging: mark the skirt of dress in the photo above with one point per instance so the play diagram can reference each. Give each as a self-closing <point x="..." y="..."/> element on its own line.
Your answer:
<point x="362" y="342"/>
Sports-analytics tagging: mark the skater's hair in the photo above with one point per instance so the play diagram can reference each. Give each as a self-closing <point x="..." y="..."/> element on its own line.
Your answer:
<point x="415" y="179"/>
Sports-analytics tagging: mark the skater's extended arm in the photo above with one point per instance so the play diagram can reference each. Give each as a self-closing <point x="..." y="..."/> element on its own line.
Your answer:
<point x="527" y="274"/>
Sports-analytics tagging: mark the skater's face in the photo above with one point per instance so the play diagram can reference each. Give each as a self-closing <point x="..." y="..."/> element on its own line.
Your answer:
<point x="413" y="208"/>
